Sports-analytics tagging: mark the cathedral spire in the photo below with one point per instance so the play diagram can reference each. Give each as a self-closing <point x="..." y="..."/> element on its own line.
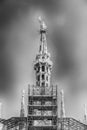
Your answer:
<point x="43" y="64"/>
<point x="62" y="113"/>
<point x="22" y="112"/>
<point x="43" y="30"/>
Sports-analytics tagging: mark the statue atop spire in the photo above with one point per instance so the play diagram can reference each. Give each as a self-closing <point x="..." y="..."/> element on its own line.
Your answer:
<point x="43" y="26"/>
<point x="62" y="114"/>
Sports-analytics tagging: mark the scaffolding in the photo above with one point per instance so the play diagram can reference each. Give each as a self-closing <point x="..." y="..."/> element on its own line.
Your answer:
<point x="42" y="108"/>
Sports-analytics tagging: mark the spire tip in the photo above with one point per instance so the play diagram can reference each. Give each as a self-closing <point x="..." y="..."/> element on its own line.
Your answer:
<point x="62" y="92"/>
<point x="42" y="23"/>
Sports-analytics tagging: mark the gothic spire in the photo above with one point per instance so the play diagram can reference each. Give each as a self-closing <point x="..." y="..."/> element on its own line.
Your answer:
<point x="85" y="114"/>
<point x="43" y="29"/>
<point x="62" y="113"/>
<point x="43" y="63"/>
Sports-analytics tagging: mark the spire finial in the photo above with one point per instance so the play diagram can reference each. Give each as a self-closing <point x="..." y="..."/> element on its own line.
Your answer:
<point x="62" y="93"/>
<point x="23" y="93"/>
<point x="43" y="26"/>
<point x="43" y="29"/>
<point x="22" y="104"/>
<point x="85" y="109"/>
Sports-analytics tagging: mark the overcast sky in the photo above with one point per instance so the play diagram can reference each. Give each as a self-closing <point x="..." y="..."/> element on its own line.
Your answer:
<point x="67" y="43"/>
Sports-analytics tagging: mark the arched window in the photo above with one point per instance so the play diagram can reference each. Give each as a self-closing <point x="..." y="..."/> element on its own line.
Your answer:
<point x="43" y="84"/>
<point x="42" y="76"/>
<point x="43" y="68"/>
<point x="38" y="77"/>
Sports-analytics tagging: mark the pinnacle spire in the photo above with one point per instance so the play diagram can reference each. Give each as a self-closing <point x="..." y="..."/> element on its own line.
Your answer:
<point x="22" y="113"/>
<point x="62" y="114"/>
<point x="85" y="114"/>
<point x="0" y="109"/>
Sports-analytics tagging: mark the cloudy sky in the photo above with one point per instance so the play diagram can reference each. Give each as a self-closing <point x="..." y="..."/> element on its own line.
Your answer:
<point x="67" y="43"/>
